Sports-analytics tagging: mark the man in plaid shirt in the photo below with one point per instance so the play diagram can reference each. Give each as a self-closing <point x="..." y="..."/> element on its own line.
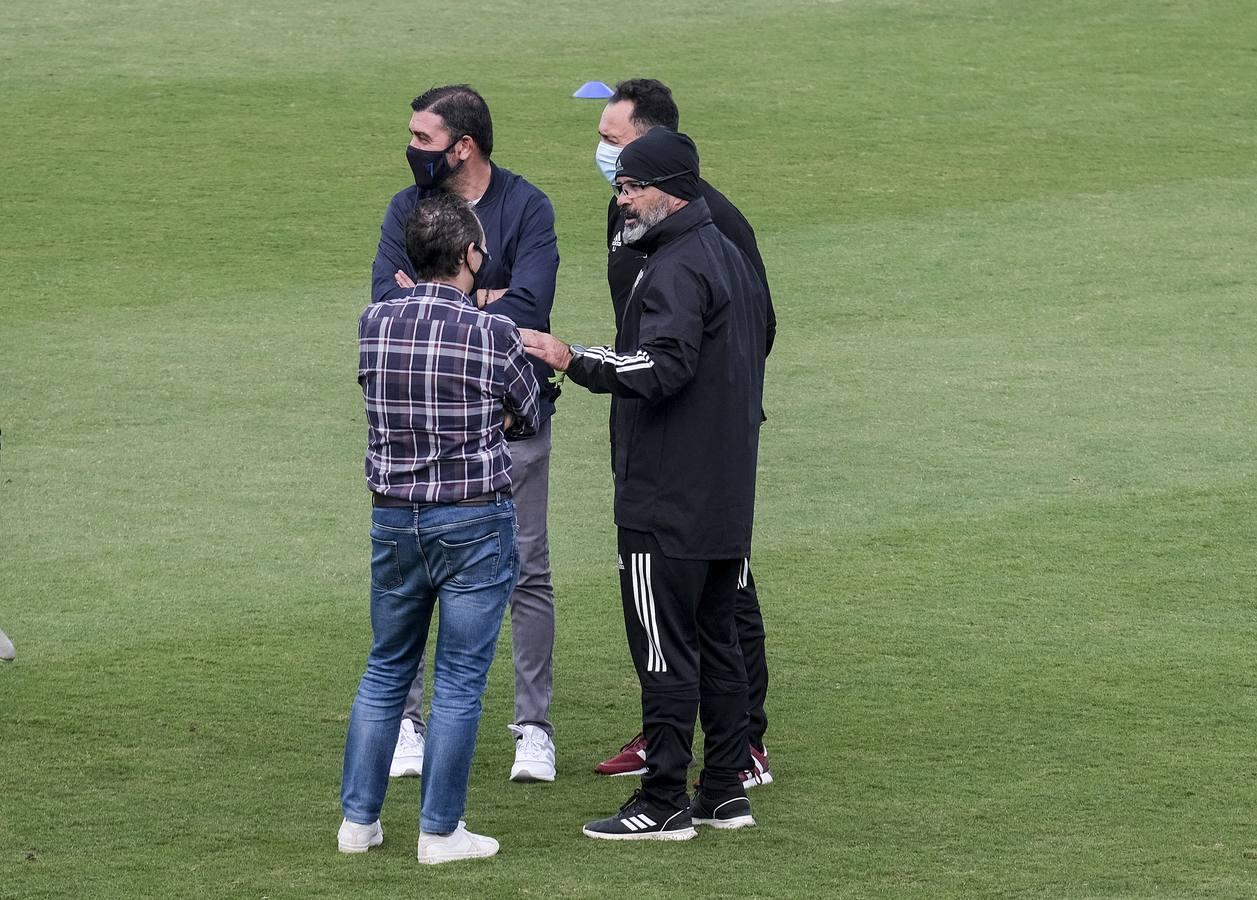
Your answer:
<point x="445" y="385"/>
<point x="438" y="375"/>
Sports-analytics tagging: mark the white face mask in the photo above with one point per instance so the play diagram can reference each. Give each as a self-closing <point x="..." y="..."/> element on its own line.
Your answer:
<point x="606" y="157"/>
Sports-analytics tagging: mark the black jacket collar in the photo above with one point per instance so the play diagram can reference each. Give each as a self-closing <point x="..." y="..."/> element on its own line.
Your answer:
<point x="693" y="215"/>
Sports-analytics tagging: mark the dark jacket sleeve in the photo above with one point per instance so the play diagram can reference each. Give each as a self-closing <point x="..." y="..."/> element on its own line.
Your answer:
<point x="391" y="254"/>
<point x="736" y="228"/>
<point x="530" y="295"/>
<point x="770" y="331"/>
<point x="745" y="241"/>
<point x="670" y="337"/>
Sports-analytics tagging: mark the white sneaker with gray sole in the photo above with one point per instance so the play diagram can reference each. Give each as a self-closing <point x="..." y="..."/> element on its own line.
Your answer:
<point x="534" y="754"/>
<point x="408" y="754"/>
<point x="355" y="838"/>
<point x="460" y="843"/>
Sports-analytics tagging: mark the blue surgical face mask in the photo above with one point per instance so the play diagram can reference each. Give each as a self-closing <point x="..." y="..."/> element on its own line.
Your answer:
<point x="606" y="157"/>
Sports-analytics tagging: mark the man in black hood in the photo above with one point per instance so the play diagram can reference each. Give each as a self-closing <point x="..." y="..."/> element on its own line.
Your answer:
<point x="637" y="106"/>
<point x="686" y="377"/>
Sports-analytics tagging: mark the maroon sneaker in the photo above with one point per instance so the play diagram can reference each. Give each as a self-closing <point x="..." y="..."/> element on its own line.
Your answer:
<point x="759" y="773"/>
<point x="631" y="760"/>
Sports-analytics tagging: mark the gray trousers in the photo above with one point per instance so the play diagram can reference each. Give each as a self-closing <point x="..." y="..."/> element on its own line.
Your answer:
<point x="532" y="604"/>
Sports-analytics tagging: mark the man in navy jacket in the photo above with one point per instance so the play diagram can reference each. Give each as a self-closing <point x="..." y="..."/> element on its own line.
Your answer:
<point x="450" y="148"/>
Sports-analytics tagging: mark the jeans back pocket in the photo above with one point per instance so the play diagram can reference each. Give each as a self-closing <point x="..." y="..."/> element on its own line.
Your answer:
<point x="386" y="571"/>
<point x="473" y="563"/>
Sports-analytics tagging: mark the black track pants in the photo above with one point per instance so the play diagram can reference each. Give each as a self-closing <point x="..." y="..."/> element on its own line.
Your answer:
<point x="751" y="636"/>
<point x="679" y="619"/>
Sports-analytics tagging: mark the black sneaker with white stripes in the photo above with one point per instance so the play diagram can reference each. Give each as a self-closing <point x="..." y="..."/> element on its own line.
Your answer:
<point x="639" y="820"/>
<point x="731" y="812"/>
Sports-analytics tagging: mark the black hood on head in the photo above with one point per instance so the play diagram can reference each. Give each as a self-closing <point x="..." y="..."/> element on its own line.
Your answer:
<point x="666" y="156"/>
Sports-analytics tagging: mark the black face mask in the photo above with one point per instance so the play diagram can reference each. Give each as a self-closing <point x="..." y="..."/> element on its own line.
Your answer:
<point x="478" y="277"/>
<point x="430" y="166"/>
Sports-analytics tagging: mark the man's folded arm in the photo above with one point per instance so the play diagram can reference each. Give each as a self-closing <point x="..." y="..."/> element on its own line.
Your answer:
<point x="390" y="256"/>
<point x="530" y="295"/>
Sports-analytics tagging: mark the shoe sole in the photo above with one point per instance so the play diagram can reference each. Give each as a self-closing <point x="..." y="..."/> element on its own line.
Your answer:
<point x="360" y="848"/>
<point x="357" y="849"/>
<point x="461" y="856"/>
<point x="405" y="766"/>
<point x="641" y="771"/>
<point x="681" y="834"/>
<point x="756" y="780"/>
<point x="728" y="824"/>
<point x="525" y="776"/>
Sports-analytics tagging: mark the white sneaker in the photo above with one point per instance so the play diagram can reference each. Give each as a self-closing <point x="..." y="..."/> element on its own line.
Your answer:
<point x="408" y="754"/>
<point x="6" y="648"/>
<point x="534" y="754"/>
<point x="355" y="838"/>
<point x="458" y="844"/>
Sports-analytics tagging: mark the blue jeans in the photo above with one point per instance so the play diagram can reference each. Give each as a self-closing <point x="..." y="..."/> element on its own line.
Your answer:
<point x="462" y="557"/>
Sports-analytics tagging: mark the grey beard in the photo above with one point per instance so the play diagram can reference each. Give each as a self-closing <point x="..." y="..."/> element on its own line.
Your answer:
<point x="650" y="217"/>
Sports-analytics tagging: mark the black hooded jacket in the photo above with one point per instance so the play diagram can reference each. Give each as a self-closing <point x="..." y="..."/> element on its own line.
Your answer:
<point x="687" y="379"/>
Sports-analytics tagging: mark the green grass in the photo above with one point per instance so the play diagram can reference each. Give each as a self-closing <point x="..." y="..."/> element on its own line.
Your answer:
<point x="1008" y="491"/>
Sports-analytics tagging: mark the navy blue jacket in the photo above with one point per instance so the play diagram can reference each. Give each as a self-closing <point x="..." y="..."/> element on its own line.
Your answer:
<point x="518" y="225"/>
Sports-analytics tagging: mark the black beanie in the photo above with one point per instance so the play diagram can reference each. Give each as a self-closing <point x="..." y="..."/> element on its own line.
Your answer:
<point x="662" y="153"/>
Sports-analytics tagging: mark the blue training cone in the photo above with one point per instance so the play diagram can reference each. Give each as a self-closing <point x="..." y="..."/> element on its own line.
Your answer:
<point x="593" y="90"/>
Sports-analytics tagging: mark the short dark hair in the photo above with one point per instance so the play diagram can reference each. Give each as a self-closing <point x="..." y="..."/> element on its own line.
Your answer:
<point x="463" y="111"/>
<point x="652" y="103"/>
<point x="437" y="234"/>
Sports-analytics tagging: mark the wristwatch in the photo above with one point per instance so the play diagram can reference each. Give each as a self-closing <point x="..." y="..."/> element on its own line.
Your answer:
<point x="576" y="350"/>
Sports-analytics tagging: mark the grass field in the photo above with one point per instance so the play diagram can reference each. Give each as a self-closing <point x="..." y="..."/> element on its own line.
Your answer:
<point x="1007" y="524"/>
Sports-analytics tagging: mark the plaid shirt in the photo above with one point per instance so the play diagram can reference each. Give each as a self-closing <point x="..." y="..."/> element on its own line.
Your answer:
<point x="437" y="375"/>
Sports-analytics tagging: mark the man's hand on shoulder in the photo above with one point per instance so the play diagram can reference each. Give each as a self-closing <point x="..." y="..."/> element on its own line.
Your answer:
<point x="404" y="281"/>
<point x="547" y="348"/>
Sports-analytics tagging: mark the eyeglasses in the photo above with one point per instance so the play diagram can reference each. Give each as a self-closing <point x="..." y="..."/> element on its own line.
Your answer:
<point x="633" y="187"/>
<point x="488" y="257"/>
